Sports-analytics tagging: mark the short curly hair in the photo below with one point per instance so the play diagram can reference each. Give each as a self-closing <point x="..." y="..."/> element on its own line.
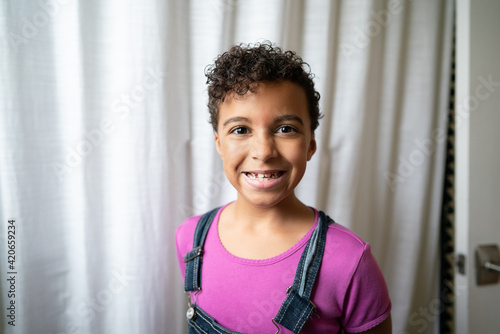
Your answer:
<point x="244" y="66"/>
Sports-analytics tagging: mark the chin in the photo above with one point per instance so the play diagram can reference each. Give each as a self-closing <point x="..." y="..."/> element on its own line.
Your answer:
<point x="264" y="201"/>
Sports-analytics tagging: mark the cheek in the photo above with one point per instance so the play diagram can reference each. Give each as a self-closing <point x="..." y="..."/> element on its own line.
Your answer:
<point x="231" y="154"/>
<point x="299" y="152"/>
<point x="297" y="157"/>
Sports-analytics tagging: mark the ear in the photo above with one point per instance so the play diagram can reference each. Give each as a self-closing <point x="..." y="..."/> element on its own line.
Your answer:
<point x="312" y="148"/>
<point x="217" y="144"/>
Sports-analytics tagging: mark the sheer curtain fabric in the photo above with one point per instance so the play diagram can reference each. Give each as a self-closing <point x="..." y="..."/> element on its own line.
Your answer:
<point x="105" y="147"/>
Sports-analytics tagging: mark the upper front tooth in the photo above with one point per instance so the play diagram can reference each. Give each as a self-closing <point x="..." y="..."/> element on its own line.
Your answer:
<point x="261" y="175"/>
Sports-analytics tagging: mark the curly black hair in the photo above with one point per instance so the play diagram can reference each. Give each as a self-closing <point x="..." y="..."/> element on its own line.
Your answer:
<point x="243" y="67"/>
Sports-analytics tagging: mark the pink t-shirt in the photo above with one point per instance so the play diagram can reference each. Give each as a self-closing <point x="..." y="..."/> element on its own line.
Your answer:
<point x="244" y="295"/>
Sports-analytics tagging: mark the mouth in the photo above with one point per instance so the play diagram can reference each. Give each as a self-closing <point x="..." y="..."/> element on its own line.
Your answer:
<point x="264" y="176"/>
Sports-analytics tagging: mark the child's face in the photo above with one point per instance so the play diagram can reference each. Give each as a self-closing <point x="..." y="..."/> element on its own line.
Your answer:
<point x="265" y="140"/>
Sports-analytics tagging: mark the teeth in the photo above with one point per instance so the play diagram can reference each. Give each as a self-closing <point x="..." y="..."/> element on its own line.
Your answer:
<point x="267" y="176"/>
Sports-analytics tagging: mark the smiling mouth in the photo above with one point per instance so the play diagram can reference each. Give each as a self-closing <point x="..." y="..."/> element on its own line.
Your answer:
<point x="264" y="176"/>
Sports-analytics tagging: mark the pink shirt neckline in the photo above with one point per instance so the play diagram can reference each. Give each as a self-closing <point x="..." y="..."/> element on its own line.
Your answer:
<point x="268" y="261"/>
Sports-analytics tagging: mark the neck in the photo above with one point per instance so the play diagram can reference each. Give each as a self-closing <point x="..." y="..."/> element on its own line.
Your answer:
<point x="283" y="213"/>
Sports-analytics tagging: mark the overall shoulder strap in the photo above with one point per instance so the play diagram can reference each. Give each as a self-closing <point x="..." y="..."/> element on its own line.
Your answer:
<point x="297" y="306"/>
<point x="193" y="259"/>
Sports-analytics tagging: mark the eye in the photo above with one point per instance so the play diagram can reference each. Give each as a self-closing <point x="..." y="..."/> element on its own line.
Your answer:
<point x="286" y="129"/>
<point x="239" y="130"/>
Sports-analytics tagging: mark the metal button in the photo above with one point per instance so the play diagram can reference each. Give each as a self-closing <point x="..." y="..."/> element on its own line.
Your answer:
<point x="190" y="313"/>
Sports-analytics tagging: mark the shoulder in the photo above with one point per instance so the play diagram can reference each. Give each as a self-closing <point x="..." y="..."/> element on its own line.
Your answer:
<point x="342" y="233"/>
<point x="185" y="233"/>
<point x="184" y="236"/>
<point x="187" y="227"/>
<point x="343" y="241"/>
<point x="350" y="284"/>
<point x="346" y="256"/>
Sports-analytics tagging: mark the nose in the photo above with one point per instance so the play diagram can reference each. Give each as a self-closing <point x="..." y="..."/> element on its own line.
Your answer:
<point x="263" y="147"/>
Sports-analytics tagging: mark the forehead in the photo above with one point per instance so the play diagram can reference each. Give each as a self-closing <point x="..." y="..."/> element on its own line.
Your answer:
<point x="268" y="100"/>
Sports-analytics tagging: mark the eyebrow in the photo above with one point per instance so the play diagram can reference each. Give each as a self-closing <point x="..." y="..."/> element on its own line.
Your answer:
<point x="276" y="119"/>
<point x="289" y="118"/>
<point x="235" y="120"/>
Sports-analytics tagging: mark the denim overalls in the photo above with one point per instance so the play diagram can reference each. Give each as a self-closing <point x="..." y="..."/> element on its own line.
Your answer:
<point x="295" y="309"/>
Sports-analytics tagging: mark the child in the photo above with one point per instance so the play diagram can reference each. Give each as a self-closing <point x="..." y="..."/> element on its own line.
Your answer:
<point x="266" y="262"/>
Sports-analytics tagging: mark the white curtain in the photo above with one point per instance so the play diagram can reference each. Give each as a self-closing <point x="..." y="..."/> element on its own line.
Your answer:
<point x="105" y="147"/>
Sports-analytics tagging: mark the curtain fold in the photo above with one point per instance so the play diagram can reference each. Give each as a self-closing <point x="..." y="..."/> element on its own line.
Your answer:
<point x="105" y="146"/>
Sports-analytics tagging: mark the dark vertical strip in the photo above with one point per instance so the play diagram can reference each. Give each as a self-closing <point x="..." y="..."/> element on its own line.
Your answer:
<point x="446" y="289"/>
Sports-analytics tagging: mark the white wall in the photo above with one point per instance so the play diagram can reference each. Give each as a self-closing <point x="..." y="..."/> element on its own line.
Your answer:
<point x="477" y="157"/>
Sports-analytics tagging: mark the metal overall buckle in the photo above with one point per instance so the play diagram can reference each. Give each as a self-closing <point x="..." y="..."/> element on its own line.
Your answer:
<point x="191" y="312"/>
